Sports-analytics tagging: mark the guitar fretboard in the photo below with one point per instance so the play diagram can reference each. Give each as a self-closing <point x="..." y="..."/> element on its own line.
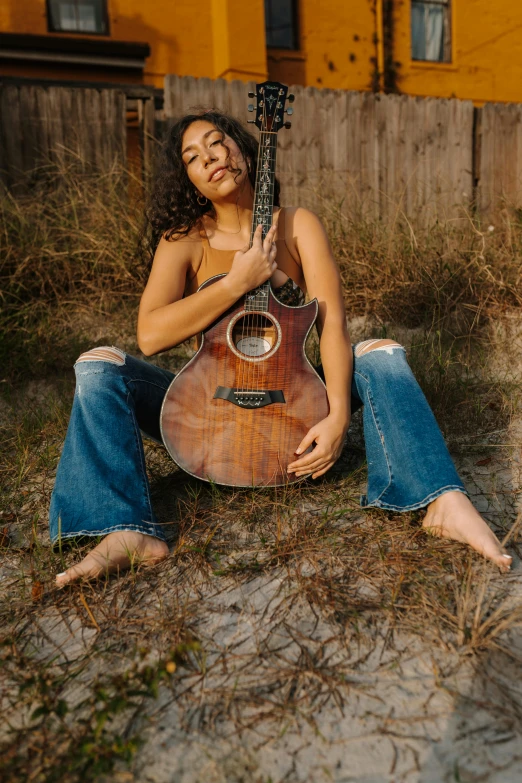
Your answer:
<point x="258" y="298"/>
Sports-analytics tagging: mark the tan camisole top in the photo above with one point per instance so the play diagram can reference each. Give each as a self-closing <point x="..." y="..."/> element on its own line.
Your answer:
<point x="218" y="262"/>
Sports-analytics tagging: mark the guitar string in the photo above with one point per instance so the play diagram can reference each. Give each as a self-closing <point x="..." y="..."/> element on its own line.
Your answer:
<point x="266" y="227"/>
<point x="270" y="171"/>
<point x="244" y="366"/>
<point x="268" y="215"/>
<point x="259" y="327"/>
<point x="257" y="322"/>
<point x="255" y="299"/>
<point x="259" y="210"/>
<point x="261" y="319"/>
<point x="244" y="325"/>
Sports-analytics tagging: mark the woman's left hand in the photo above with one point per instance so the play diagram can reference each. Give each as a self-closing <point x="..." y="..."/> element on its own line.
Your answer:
<point x="328" y="435"/>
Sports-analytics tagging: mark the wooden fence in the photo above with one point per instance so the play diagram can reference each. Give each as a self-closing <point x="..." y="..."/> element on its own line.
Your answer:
<point x="381" y="156"/>
<point x="378" y="155"/>
<point x="498" y="154"/>
<point x="44" y="128"/>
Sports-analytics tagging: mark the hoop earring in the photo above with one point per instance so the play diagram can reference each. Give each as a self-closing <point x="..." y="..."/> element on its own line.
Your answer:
<point x="202" y="203"/>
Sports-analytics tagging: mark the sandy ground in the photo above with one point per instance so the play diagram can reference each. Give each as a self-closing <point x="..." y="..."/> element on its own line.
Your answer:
<point x="284" y="695"/>
<point x="381" y="705"/>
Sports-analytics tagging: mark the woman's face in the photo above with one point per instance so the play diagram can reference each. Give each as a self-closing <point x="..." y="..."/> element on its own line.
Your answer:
<point x="210" y="159"/>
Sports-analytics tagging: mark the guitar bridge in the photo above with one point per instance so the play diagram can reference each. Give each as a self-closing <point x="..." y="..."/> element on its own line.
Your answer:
<point x="249" y="398"/>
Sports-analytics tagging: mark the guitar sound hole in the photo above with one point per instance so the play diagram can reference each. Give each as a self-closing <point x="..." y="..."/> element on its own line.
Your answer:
<point x="254" y="335"/>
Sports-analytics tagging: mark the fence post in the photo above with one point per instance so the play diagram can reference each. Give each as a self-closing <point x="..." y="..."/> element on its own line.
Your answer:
<point x="146" y="116"/>
<point x="477" y="157"/>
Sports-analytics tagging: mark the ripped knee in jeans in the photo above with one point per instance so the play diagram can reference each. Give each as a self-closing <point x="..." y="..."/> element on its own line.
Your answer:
<point x="367" y="346"/>
<point x="106" y="353"/>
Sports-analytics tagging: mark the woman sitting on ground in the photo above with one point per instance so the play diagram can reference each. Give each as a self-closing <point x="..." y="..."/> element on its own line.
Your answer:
<point x="200" y="216"/>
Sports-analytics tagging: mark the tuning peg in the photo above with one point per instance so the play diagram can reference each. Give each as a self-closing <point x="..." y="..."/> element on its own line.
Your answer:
<point x="251" y="95"/>
<point x="288" y="125"/>
<point x="291" y="98"/>
<point x="250" y="107"/>
<point x="289" y="110"/>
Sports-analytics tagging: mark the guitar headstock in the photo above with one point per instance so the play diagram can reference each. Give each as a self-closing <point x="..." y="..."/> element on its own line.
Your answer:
<point x="271" y="102"/>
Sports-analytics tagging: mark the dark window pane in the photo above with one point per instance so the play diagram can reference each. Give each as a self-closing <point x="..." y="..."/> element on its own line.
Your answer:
<point x="281" y="24"/>
<point x="418" y="37"/>
<point x="430" y="30"/>
<point x="82" y="16"/>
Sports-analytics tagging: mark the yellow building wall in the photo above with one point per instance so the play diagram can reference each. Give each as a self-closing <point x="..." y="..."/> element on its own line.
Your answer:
<point x="214" y="38"/>
<point x="486" y="53"/>
<point x="341" y="42"/>
<point x="337" y="47"/>
<point x="341" y="45"/>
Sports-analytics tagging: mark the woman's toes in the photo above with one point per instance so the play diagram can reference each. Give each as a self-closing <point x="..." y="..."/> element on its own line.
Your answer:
<point x="487" y="544"/>
<point x="116" y="552"/>
<point x="491" y="551"/>
<point x="504" y="562"/>
<point x="453" y="516"/>
<point x="86" y="569"/>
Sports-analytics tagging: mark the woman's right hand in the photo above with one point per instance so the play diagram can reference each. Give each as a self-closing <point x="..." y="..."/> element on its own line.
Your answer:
<point x="253" y="266"/>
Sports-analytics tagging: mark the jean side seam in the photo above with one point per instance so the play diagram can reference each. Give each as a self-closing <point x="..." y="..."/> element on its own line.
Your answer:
<point x="141" y="455"/>
<point x="361" y="375"/>
<point x="388" y="465"/>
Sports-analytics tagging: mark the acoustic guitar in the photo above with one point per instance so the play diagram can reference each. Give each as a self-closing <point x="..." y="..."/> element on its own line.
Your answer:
<point x="237" y="411"/>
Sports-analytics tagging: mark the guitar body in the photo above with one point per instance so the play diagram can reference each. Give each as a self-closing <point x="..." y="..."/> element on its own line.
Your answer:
<point x="240" y="407"/>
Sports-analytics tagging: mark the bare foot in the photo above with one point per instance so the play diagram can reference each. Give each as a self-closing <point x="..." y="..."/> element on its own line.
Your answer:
<point x="452" y="515"/>
<point x="116" y="552"/>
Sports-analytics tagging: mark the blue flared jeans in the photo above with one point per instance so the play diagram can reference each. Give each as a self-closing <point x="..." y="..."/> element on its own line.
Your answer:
<point x="101" y="482"/>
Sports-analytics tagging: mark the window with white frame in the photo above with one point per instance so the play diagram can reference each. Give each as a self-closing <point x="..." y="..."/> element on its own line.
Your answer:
<point x="77" y="16"/>
<point x="431" y="30"/>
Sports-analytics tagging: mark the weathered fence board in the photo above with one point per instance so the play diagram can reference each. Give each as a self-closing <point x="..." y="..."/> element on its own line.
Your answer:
<point x="377" y="155"/>
<point x="500" y="169"/>
<point x="41" y="126"/>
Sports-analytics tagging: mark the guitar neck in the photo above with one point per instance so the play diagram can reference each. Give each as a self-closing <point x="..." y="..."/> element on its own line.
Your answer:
<point x="263" y="208"/>
<point x="265" y="183"/>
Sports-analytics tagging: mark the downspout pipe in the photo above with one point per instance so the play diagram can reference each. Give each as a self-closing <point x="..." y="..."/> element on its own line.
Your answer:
<point x="379" y="41"/>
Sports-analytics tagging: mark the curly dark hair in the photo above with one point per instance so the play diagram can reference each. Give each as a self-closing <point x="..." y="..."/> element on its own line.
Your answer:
<point x="173" y="209"/>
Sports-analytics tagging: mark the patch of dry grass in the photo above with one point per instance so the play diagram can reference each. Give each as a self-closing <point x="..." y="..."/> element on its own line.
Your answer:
<point x="86" y="671"/>
<point x="343" y="580"/>
<point x="449" y="276"/>
<point x="66" y="251"/>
